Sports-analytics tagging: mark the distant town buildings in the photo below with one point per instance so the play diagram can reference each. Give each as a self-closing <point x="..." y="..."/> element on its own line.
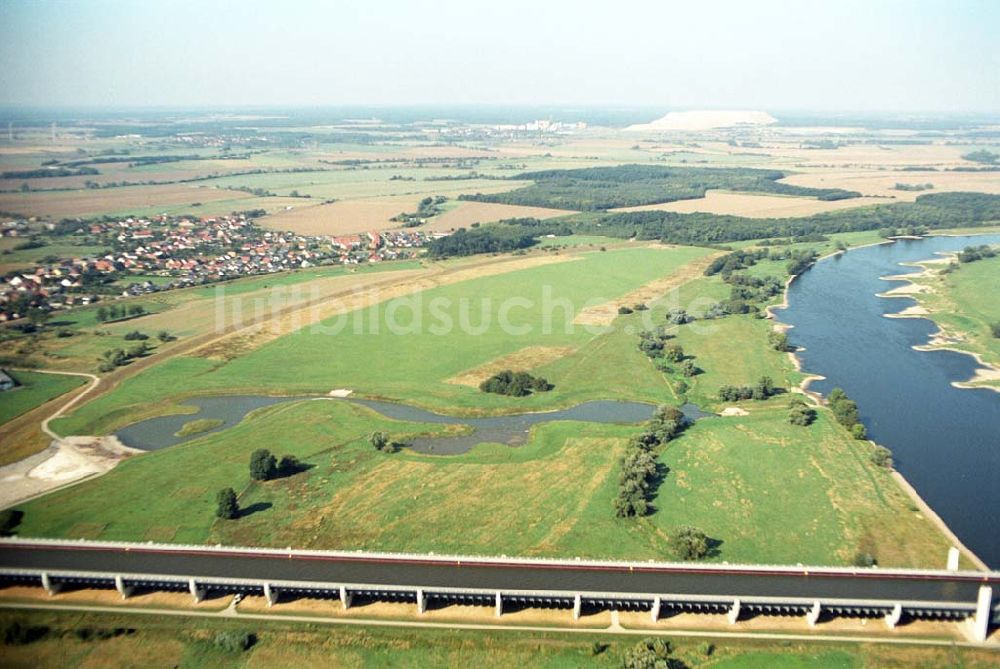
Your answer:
<point x="167" y="252"/>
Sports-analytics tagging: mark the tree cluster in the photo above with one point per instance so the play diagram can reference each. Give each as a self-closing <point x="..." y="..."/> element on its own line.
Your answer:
<point x="601" y="188"/>
<point x="515" y="384"/>
<point x="763" y="389"/>
<point x="640" y="472"/>
<point x="117" y="357"/>
<point x="115" y="312"/>
<point x="974" y="253"/>
<point x="264" y="466"/>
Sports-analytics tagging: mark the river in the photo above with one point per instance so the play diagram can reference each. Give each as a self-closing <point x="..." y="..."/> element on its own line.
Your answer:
<point x="945" y="440"/>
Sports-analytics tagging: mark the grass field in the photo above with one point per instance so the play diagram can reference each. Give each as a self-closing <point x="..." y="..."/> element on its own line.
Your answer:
<point x="165" y="641"/>
<point x="401" y="363"/>
<point x="756" y="484"/>
<point x="35" y="389"/>
<point x="964" y="303"/>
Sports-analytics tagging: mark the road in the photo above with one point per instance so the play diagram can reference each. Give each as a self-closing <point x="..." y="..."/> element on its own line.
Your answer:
<point x="477" y="574"/>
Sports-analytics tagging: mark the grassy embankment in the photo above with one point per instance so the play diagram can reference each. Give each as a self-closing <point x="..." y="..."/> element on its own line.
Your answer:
<point x="965" y="303"/>
<point x="155" y="641"/>
<point x="768" y="491"/>
<point x="34" y="390"/>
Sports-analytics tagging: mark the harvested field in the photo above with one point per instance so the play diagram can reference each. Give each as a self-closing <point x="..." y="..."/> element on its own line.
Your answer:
<point x="465" y="214"/>
<point x="880" y="183"/>
<point x="93" y="202"/>
<point x="344" y="217"/>
<point x="605" y="313"/>
<point x="755" y="206"/>
<point x="525" y="359"/>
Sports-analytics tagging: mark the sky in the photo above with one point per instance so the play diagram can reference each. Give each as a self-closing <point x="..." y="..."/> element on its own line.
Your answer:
<point x="841" y="55"/>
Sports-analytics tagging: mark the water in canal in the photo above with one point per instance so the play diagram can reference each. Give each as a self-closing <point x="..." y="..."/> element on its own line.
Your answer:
<point x="945" y="440"/>
<point x="512" y="430"/>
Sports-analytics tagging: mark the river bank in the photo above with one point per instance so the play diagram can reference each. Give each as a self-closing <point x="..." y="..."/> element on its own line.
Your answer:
<point x="827" y="344"/>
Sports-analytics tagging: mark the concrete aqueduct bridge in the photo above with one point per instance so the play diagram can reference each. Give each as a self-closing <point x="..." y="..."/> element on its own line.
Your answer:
<point x="815" y="593"/>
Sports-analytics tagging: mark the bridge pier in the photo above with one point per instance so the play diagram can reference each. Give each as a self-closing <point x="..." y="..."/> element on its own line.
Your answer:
<point x="577" y="607"/>
<point x="50" y="587"/>
<point x="734" y="613"/>
<point x="196" y="593"/>
<point x="123" y="590"/>
<point x="953" y="555"/>
<point x="498" y="605"/>
<point x="981" y="623"/>
<point x="270" y="594"/>
<point x="654" y="611"/>
<point x="813" y="616"/>
<point x="421" y="601"/>
<point x="893" y="617"/>
<point x="345" y="598"/>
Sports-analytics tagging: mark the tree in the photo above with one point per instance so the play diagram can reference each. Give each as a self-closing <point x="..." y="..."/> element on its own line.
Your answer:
<point x="995" y="329"/>
<point x="764" y="388"/>
<point x="858" y="431"/>
<point x="379" y="440"/>
<point x="288" y="465"/>
<point x="102" y="314"/>
<point x="164" y="336"/>
<point x="227" y="507"/>
<point x="690" y="543"/>
<point x="263" y="465"/>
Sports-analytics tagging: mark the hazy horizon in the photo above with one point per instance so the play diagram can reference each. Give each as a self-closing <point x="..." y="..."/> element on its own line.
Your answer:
<point x="918" y="57"/>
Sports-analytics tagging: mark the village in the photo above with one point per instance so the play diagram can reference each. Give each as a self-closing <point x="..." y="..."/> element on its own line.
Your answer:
<point x="145" y="255"/>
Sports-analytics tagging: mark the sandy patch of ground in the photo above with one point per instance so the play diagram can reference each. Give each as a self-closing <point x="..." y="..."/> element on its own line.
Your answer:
<point x="605" y="313"/>
<point x="340" y="392"/>
<point x="140" y="599"/>
<point x="734" y="411"/>
<point x="790" y="624"/>
<point x="466" y="213"/>
<point x="525" y="359"/>
<point x="910" y="312"/>
<point x="66" y="460"/>
<point x="435" y="613"/>
<point x="755" y="205"/>
<point x="908" y="289"/>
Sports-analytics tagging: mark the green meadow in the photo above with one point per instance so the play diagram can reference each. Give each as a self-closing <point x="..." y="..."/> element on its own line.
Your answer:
<point x="394" y="350"/>
<point x="34" y="390"/>
<point x="766" y="491"/>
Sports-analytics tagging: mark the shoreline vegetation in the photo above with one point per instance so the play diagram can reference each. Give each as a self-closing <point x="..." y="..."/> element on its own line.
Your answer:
<point x="933" y="302"/>
<point x="803" y="387"/>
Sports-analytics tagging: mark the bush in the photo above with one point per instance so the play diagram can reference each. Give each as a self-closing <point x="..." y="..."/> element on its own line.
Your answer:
<point x="778" y="341"/>
<point x="690" y="543"/>
<point x="380" y="442"/>
<point x="801" y="415"/>
<point x="16" y="633"/>
<point x="10" y="519"/>
<point x="882" y="457"/>
<point x="995" y="329"/>
<point x="864" y="559"/>
<point x="135" y="335"/>
<point x="859" y="432"/>
<point x="623" y="310"/>
<point x="232" y="641"/>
